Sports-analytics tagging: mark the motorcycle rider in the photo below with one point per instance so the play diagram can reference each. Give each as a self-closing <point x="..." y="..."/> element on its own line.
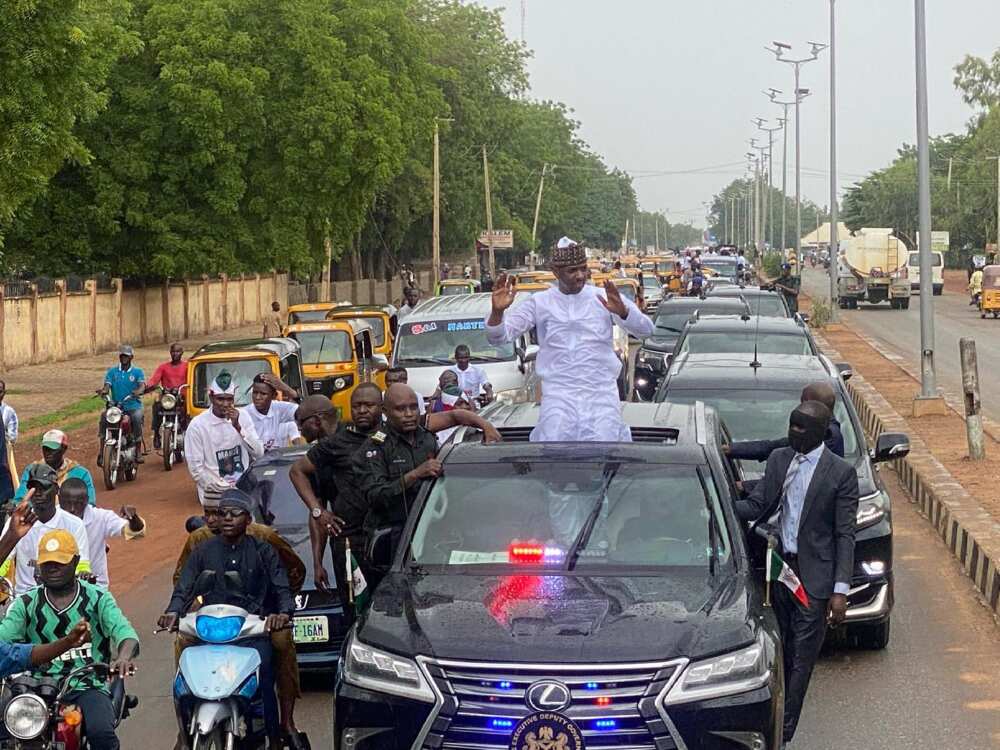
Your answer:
<point x="169" y="376"/>
<point x="126" y="384"/>
<point x="265" y="589"/>
<point x="42" y="488"/>
<point x="43" y="615"/>
<point x="54" y="447"/>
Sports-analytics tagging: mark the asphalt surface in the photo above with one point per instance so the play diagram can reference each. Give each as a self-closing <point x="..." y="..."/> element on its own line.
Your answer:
<point x="899" y="332"/>
<point x="935" y="686"/>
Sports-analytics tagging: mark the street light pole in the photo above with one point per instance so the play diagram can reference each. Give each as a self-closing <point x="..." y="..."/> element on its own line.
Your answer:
<point x="538" y="209"/>
<point x="834" y="248"/>
<point x="928" y="384"/>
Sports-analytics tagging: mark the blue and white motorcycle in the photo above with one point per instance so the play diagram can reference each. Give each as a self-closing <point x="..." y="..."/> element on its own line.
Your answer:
<point x="217" y="695"/>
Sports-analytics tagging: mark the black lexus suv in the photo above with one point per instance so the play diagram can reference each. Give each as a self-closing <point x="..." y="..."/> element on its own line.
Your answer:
<point x="755" y="402"/>
<point x="596" y="592"/>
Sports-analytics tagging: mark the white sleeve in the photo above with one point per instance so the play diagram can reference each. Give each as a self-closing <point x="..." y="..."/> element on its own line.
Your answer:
<point x="113" y="523"/>
<point x="286" y="411"/>
<point x="638" y="324"/>
<point x="83" y="542"/>
<point x="249" y="434"/>
<point x="517" y="320"/>
<point x="202" y="472"/>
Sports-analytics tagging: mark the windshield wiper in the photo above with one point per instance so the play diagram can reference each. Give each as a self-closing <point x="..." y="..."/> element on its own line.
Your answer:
<point x="588" y="526"/>
<point x="426" y="360"/>
<point x="669" y="328"/>
<point x="487" y="358"/>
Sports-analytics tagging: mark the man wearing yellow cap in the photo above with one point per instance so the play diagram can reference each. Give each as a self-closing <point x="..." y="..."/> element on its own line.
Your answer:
<point x="44" y="614"/>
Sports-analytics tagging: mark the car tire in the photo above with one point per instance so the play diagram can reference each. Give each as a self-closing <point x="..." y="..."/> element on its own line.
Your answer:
<point x="938" y="290"/>
<point x="874" y="637"/>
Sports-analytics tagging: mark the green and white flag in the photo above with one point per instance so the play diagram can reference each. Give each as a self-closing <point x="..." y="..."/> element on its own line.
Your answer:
<point x="778" y="570"/>
<point x="357" y="586"/>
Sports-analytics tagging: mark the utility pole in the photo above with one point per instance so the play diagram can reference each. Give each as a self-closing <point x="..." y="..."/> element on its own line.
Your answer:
<point x="436" y="257"/>
<point x="534" y="226"/>
<point x="928" y="378"/>
<point x="998" y="207"/>
<point x="732" y="221"/>
<point x="656" y="223"/>
<point x="489" y="212"/>
<point x="834" y="248"/>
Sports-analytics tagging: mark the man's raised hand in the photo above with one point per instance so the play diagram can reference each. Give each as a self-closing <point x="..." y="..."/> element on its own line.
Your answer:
<point x="614" y="303"/>
<point x="504" y="291"/>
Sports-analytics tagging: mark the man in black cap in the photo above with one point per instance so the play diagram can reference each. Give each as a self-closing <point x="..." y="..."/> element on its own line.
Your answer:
<point x="810" y="497"/>
<point x="264" y="591"/>
<point x="577" y="360"/>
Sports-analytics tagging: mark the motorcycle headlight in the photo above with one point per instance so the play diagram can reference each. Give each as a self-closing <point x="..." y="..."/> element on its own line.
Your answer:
<point x="218" y="629"/>
<point x="726" y="674"/>
<point x="26" y="716"/>
<point x="113" y="415"/>
<point x="372" y="669"/>
<point x="168" y="401"/>
<point x="872" y="509"/>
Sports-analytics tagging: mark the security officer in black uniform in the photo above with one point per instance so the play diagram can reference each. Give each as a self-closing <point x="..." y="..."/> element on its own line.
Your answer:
<point x="394" y="462"/>
<point x="787" y="286"/>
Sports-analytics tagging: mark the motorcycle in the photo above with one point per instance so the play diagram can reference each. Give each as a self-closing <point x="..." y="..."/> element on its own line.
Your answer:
<point x="217" y="693"/>
<point x="36" y="713"/>
<point x="121" y="450"/>
<point x="172" y="426"/>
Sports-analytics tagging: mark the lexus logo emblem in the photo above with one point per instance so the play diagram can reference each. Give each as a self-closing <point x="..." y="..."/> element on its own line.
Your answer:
<point x="548" y="695"/>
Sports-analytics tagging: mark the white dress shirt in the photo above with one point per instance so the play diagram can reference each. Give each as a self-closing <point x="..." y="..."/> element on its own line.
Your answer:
<point x="471" y="380"/>
<point x="277" y="428"/>
<point x="576" y="362"/>
<point x="216" y="454"/>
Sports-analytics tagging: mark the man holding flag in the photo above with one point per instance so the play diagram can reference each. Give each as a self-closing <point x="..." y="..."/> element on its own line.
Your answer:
<point x="810" y="496"/>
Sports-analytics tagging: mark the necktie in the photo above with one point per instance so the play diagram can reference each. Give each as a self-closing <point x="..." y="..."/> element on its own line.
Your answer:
<point x="793" y="471"/>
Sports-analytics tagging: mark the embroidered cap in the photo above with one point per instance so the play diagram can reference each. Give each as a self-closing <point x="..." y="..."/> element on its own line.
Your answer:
<point x="568" y="253"/>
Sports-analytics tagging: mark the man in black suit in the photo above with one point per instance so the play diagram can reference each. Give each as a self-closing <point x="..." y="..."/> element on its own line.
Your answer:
<point x="811" y="497"/>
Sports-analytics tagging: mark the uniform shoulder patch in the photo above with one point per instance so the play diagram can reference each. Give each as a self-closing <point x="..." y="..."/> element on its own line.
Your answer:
<point x="379" y="437"/>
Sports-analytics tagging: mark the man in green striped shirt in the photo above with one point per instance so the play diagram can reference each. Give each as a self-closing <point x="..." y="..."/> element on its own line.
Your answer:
<point x="48" y="613"/>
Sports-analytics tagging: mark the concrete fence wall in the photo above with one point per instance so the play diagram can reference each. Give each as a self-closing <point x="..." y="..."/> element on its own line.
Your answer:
<point x="61" y="325"/>
<point x="359" y="292"/>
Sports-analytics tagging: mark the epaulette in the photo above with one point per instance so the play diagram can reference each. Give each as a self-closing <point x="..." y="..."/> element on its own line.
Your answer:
<point x="379" y="437"/>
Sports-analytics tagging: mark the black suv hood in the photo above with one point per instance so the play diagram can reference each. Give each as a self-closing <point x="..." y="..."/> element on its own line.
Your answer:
<point x="560" y="618"/>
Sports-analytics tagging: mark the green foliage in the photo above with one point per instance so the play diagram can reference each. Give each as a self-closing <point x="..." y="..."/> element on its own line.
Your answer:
<point x="730" y="206"/>
<point x="54" y="60"/>
<point x="772" y="264"/>
<point x="820" y="315"/>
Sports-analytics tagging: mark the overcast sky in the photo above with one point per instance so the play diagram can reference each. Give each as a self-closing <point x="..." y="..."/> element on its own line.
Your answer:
<point x="650" y="105"/>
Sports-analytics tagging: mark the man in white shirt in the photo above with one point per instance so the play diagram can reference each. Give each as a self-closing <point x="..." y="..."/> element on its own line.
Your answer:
<point x="220" y="442"/>
<point x="471" y="379"/>
<point x="576" y="361"/>
<point x="273" y="420"/>
<point x="411" y="295"/>
<point x="8" y="415"/>
<point x="42" y="489"/>
<point x="101" y="524"/>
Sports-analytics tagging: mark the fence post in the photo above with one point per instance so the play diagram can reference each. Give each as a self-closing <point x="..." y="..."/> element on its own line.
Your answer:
<point x="91" y="286"/>
<point x="142" y="313"/>
<point x="119" y="311"/>
<point x="225" y="301"/>
<point x="33" y="320"/>
<point x="205" y="306"/>
<point x="187" y="308"/>
<point x="61" y="289"/>
<point x="243" y="303"/>
<point x="3" y="326"/>
<point x="973" y="406"/>
<point x="165" y="301"/>
<point x="256" y="314"/>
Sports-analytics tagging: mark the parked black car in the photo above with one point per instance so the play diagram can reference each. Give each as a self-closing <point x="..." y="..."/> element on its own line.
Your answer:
<point x="754" y="403"/>
<point x="763" y="302"/>
<point x="673" y="313"/>
<point x="601" y="590"/>
<point x="743" y="336"/>
<point x="320" y="623"/>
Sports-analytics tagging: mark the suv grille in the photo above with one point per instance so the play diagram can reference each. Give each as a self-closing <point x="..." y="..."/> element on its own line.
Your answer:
<point x="480" y="698"/>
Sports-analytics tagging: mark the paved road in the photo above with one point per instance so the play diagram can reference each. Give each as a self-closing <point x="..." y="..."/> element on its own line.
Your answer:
<point x="935" y="686"/>
<point x="899" y="332"/>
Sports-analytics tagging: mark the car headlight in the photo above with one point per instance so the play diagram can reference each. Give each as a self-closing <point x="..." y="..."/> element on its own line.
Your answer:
<point x="872" y="509"/>
<point x="113" y="415"/>
<point x="726" y="674"/>
<point x="339" y="384"/>
<point x="372" y="669"/>
<point x="26" y="716"/>
<point x="168" y="401"/>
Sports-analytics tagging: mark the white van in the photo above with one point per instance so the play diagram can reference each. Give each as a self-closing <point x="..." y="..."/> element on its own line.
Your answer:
<point x="426" y="341"/>
<point x="937" y="271"/>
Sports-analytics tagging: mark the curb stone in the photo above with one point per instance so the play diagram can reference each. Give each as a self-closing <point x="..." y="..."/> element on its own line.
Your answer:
<point x="970" y="532"/>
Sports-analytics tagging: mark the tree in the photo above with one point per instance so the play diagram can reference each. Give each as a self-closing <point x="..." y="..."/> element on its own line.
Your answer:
<point x="55" y="56"/>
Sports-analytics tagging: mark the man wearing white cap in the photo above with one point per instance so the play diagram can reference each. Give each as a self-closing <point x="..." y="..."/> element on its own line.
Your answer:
<point x="54" y="447"/>
<point x="577" y="362"/>
<point x="220" y="442"/>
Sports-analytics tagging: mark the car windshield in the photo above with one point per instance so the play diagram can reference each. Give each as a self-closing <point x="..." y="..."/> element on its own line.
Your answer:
<point x="324" y="347"/>
<point x="448" y="290"/>
<point x="673" y="320"/>
<point x="762" y="415"/>
<point x="242" y="371"/>
<point x="649" y="281"/>
<point x="434" y="341"/>
<point x="269" y="485"/>
<point x="307" y="316"/>
<point x="723" y="267"/>
<point x="571" y="515"/>
<point x="745" y="342"/>
<point x="627" y="291"/>
<point x="377" y="322"/>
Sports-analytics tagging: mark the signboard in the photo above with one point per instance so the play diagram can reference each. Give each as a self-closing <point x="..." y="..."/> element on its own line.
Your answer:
<point x="502" y="238"/>
<point x="940" y="242"/>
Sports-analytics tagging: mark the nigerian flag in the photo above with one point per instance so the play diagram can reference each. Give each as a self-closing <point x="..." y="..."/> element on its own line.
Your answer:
<point x="778" y="570"/>
<point x="357" y="586"/>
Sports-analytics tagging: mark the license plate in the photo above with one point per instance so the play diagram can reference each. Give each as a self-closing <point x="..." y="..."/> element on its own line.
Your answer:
<point x="310" y="629"/>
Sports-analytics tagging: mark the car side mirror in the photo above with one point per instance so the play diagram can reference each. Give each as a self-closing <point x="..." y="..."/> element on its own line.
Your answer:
<point x="380" y="362"/>
<point x="804" y="317"/>
<point x="531" y="353"/>
<point x="380" y="548"/>
<point x="668" y="359"/>
<point x="891" y="446"/>
<point x="845" y="370"/>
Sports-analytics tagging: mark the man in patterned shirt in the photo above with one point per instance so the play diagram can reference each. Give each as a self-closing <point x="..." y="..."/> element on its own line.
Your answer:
<point x="48" y="613"/>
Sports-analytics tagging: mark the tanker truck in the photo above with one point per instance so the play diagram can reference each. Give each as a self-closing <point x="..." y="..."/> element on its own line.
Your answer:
<point x="872" y="268"/>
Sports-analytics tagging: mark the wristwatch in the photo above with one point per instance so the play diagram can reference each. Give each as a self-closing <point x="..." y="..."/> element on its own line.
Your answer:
<point x="316" y="513"/>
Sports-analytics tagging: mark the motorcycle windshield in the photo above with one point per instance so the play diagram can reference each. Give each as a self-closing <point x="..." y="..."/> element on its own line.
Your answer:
<point x="216" y="672"/>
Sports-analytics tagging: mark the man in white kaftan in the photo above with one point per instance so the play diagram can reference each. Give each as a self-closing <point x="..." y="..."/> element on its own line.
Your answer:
<point x="576" y="361"/>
